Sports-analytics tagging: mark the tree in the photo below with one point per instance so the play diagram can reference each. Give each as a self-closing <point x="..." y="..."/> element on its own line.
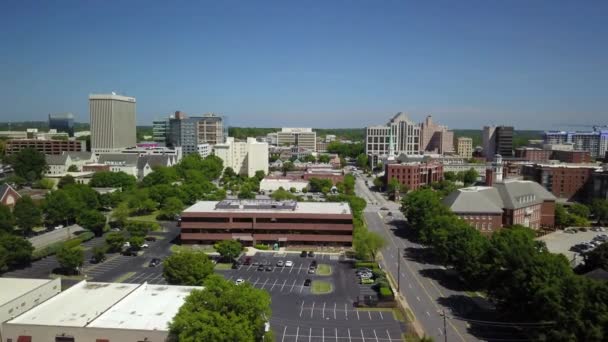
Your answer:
<point x="287" y="167"/>
<point x="114" y="241"/>
<point x="65" y="180"/>
<point x="229" y="249"/>
<point x="580" y="210"/>
<point x="43" y="183"/>
<point x="70" y="258"/>
<point x="171" y="207"/>
<point x="7" y="220"/>
<point x="368" y="244"/>
<point x="99" y="254"/>
<point x="108" y="179"/>
<point x="597" y="258"/>
<point x="259" y="175"/>
<point x="121" y="213"/>
<point x="282" y="195"/>
<point x="160" y="175"/>
<point x="470" y="176"/>
<point x="599" y="207"/>
<point x="419" y="207"/>
<point x="222" y="312"/>
<point x="136" y="242"/>
<point x="561" y="216"/>
<point x="246" y="192"/>
<point x="378" y="182"/>
<point x="362" y="161"/>
<point x="92" y="220"/>
<point x="228" y="174"/>
<point x="187" y="268"/>
<point x="27" y="215"/>
<point x="324" y="158"/>
<point x="17" y="251"/>
<point x="29" y="164"/>
<point x="309" y="158"/>
<point x="73" y="168"/>
<point x="318" y="184"/>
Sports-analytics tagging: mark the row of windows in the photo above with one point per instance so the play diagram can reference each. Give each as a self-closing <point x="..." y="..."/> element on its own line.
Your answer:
<point x="268" y="220"/>
<point x="265" y="231"/>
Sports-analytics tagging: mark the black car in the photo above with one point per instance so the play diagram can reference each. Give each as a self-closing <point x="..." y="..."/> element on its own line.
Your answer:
<point x="154" y="262"/>
<point x="150" y="238"/>
<point x="261" y="268"/>
<point x="311" y="254"/>
<point x="269" y="268"/>
<point x="303" y="254"/>
<point x="313" y="263"/>
<point x="236" y="265"/>
<point x="307" y="282"/>
<point x="130" y="252"/>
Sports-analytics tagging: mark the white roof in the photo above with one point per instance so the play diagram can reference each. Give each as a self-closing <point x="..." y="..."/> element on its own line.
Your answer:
<point x="77" y="306"/>
<point x="112" y="96"/>
<point x="12" y="288"/>
<point x="283" y="181"/>
<point x="149" y="307"/>
<point x="301" y="208"/>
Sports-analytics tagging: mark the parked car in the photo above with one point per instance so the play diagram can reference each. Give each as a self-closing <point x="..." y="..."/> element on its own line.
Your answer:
<point x="154" y="262"/>
<point x="280" y="263"/>
<point x="363" y="269"/>
<point x="311" y="254"/>
<point x="247" y="261"/>
<point x="384" y="208"/>
<point x="570" y="231"/>
<point x="269" y="268"/>
<point x="145" y="245"/>
<point x="313" y="263"/>
<point x="126" y="244"/>
<point x="129" y="252"/>
<point x="150" y="238"/>
<point x="255" y="263"/>
<point x="312" y="270"/>
<point x="261" y="268"/>
<point x="582" y="229"/>
<point x="366" y="275"/>
<point x="303" y="254"/>
<point x="390" y="213"/>
<point x="288" y="263"/>
<point x="239" y="281"/>
<point x="307" y="282"/>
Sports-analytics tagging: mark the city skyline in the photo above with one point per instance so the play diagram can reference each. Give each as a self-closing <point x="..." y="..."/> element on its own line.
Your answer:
<point x="468" y="65"/>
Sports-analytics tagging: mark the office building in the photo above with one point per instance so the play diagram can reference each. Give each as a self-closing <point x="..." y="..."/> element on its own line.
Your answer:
<point x="45" y="146"/>
<point x="497" y="140"/>
<point x="303" y="138"/>
<point x="399" y="136"/>
<point x="503" y="204"/>
<point x="414" y="175"/>
<point x="566" y="181"/>
<point x="533" y="154"/>
<point x="599" y="183"/>
<point x="286" y="224"/>
<point x="91" y="311"/>
<point x="595" y="142"/>
<point x="464" y="147"/>
<point x="63" y="122"/>
<point x="17" y="296"/>
<point x="160" y="131"/>
<point x="190" y="132"/>
<point x="244" y="157"/>
<point x="13" y="134"/>
<point x="113" y="125"/>
<point x="435" y="138"/>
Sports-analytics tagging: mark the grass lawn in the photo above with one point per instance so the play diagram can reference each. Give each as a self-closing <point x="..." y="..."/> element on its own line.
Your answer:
<point x="145" y="218"/>
<point x="124" y="277"/>
<point x="222" y="266"/>
<point x="324" y="270"/>
<point x="205" y="248"/>
<point x="320" y="287"/>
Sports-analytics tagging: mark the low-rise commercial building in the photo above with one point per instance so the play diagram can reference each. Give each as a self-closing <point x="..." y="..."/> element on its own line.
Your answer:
<point x="94" y="312"/>
<point x="573" y="157"/>
<point x="45" y="146"/>
<point x="532" y="154"/>
<point x="286" y="223"/>
<point x="566" y="181"/>
<point x="505" y="203"/>
<point x="464" y="147"/>
<point x="270" y="184"/>
<point x="414" y="175"/>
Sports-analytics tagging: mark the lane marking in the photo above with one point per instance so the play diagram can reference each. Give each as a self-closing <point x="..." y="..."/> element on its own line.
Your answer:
<point x="302" y="309"/>
<point x="283" y="285"/>
<point x="283" y="338"/>
<point x="323" y="315"/>
<point x="312" y="310"/>
<point x="275" y="282"/>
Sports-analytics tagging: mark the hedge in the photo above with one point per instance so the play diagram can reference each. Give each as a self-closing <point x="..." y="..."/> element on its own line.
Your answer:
<point x="367" y="264"/>
<point x="53" y="248"/>
<point x="262" y="247"/>
<point x="385" y="292"/>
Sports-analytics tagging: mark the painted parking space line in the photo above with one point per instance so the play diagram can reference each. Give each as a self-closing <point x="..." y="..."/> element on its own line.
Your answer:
<point x="362" y="336"/>
<point x="273" y="285"/>
<point x="312" y="310"/>
<point x="284" y="331"/>
<point x="292" y="285"/>
<point x="323" y="314"/>
<point x="345" y="312"/>
<point x="381" y="316"/>
<point x="282" y="286"/>
<point x="301" y="308"/>
<point x="370" y="315"/>
<point x="335" y="304"/>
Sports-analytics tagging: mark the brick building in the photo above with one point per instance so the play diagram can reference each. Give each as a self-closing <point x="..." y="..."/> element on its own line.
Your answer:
<point x="414" y="175"/>
<point x="574" y="157"/>
<point x="506" y="203"/>
<point x="568" y="181"/>
<point x="533" y="154"/>
<point x="287" y="223"/>
<point x="8" y="195"/>
<point x="45" y="146"/>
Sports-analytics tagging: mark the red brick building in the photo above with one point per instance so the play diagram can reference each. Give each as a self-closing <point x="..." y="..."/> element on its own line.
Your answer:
<point x="571" y="182"/>
<point x="533" y="154"/>
<point x="8" y="195"/>
<point x="489" y="208"/>
<point x="574" y="157"/>
<point x="45" y="146"/>
<point x="252" y="222"/>
<point x="414" y="175"/>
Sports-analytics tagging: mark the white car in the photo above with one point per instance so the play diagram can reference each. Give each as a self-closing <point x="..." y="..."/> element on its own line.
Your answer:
<point x="126" y="244"/>
<point x="239" y="281"/>
<point x="145" y="245"/>
<point x="288" y="263"/>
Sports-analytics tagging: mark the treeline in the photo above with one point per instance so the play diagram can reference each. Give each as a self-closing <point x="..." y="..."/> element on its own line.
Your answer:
<point x="529" y="284"/>
<point x="355" y="134"/>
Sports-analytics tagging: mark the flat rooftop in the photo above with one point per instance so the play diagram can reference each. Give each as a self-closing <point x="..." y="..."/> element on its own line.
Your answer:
<point x="261" y="206"/>
<point x="77" y="306"/>
<point x="11" y="288"/>
<point x="149" y="307"/>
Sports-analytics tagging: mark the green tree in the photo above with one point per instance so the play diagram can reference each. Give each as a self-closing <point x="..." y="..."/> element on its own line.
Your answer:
<point x="60" y="207"/>
<point x="324" y="158"/>
<point x="17" y="251"/>
<point x="99" y="254"/>
<point x="187" y="268"/>
<point x="282" y="195"/>
<point x="470" y="176"/>
<point x="599" y="208"/>
<point x="70" y="258"/>
<point x="73" y="168"/>
<point x="7" y="220"/>
<point x="27" y="215"/>
<point x="362" y="161"/>
<point x="246" y="192"/>
<point x="43" y="183"/>
<point x="597" y="258"/>
<point x="318" y="184"/>
<point x="561" y="216"/>
<point x="580" y="210"/>
<point x="228" y="174"/>
<point x="29" y="164"/>
<point x="309" y="158"/>
<point x="229" y="249"/>
<point x="378" y="182"/>
<point x="171" y="207"/>
<point x="419" y="207"/>
<point x="114" y="241"/>
<point x="222" y="312"/>
<point x="108" y="179"/>
<point x="136" y="242"/>
<point x="368" y="244"/>
<point x="65" y="180"/>
<point x="92" y="220"/>
<point x="121" y="213"/>
<point x="287" y="167"/>
<point x="160" y="175"/>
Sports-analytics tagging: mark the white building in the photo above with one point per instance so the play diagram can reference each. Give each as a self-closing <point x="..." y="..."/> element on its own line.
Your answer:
<point x="93" y="312"/>
<point x="112" y="122"/>
<point x="204" y="150"/>
<point x="399" y="136"/>
<point x="273" y="184"/>
<point x="59" y="164"/>
<point x="245" y="158"/>
<point x="299" y="137"/>
<point x="20" y="295"/>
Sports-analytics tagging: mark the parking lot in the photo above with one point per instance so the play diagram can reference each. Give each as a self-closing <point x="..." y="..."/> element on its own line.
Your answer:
<point x="300" y="315"/>
<point x="562" y="242"/>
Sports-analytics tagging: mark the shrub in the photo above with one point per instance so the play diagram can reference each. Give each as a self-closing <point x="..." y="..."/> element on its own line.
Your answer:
<point x="367" y="264"/>
<point x="385" y="291"/>
<point x="262" y="247"/>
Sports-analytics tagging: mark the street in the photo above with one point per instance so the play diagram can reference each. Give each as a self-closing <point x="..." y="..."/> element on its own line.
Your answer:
<point x="428" y="289"/>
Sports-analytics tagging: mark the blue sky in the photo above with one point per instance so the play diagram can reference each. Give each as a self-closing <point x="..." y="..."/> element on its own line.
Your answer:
<point x="531" y="64"/>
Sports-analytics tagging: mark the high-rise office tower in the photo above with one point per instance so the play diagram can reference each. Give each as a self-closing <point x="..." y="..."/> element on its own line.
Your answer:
<point x="113" y="125"/>
<point x="190" y="132"/>
<point x="299" y="137"/>
<point x="399" y="136"/>
<point x="497" y="140"/>
<point x="62" y="122"/>
<point x="435" y="138"/>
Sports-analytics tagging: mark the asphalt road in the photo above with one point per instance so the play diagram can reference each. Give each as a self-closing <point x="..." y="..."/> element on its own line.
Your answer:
<point x="429" y="289"/>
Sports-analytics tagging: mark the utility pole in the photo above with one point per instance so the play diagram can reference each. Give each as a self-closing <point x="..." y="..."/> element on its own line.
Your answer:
<point x="398" y="270"/>
<point x="445" y="330"/>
